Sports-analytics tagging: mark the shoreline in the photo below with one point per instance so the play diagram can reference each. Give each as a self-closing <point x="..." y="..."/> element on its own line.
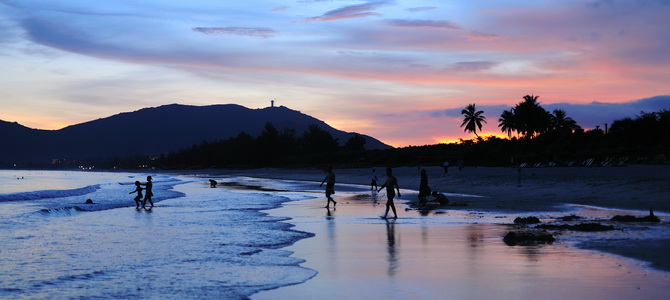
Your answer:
<point x="634" y="188"/>
<point x="456" y="254"/>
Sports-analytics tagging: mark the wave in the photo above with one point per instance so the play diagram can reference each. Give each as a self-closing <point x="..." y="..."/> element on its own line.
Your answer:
<point x="49" y="194"/>
<point x="63" y="210"/>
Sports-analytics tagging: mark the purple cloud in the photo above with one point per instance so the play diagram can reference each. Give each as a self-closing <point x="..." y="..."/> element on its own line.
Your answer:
<point x="587" y="115"/>
<point x="244" y="31"/>
<point x="423" y="24"/>
<point x="598" y="113"/>
<point x="420" y="9"/>
<point x="350" y="12"/>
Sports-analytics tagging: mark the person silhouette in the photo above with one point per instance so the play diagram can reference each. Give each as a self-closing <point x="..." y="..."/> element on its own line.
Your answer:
<point x="424" y="189"/>
<point x="373" y="182"/>
<point x="390" y="184"/>
<point x="138" y="189"/>
<point x="330" y="185"/>
<point x="149" y="193"/>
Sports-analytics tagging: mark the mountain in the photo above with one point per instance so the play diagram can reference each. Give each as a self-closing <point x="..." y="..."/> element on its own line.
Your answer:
<point x="153" y="131"/>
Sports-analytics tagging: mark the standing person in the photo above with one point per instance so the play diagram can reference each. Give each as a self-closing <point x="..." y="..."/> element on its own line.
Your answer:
<point x="424" y="189"/>
<point x="148" y="186"/>
<point x="391" y="182"/>
<point x="138" y="189"/>
<point x="330" y="185"/>
<point x="373" y="183"/>
<point x="445" y="165"/>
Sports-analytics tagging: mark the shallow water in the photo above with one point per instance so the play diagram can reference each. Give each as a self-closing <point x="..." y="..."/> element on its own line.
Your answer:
<point x="455" y="255"/>
<point x="196" y="243"/>
<point x="230" y="243"/>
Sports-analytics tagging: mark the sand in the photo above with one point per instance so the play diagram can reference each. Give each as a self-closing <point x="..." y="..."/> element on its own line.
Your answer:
<point x="636" y="187"/>
<point x="503" y="194"/>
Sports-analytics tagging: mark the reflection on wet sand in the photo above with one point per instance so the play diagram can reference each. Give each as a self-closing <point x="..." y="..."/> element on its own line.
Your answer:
<point x="455" y="255"/>
<point x="391" y="248"/>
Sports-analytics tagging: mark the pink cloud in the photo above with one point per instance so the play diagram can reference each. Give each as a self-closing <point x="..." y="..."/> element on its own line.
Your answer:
<point x="472" y="66"/>
<point x="476" y="35"/>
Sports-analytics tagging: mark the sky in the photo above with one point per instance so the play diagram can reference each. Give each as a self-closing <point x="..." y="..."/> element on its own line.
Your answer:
<point x="400" y="71"/>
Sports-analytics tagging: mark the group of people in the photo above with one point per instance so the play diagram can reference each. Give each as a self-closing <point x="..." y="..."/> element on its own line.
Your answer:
<point x="148" y="194"/>
<point x="391" y="186"/>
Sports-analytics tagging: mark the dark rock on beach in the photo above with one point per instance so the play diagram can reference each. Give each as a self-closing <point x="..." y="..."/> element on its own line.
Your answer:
<point x="528" y="237"/>
<point x="578" y="227"/>
<point x="628" y="218"/>
<point x="527" y="220"/>
<point x="570" y="218"/>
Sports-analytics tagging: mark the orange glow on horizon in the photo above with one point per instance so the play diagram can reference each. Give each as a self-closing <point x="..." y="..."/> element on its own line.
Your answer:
<point x="457" y="140"/>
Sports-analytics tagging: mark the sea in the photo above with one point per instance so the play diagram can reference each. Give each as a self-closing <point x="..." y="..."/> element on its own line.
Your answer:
<point x="254" y="238"/>
<point x="215" y="244"/>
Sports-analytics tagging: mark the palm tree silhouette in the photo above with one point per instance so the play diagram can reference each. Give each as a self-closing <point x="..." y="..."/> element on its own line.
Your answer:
<point x="530" y="117"/>
<point x="507" y="122"/>
<point x="472" y="119"/>
<point x="562" y="123"/>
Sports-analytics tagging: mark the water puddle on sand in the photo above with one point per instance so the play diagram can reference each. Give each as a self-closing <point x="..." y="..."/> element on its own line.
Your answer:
<point x="453" y="255"/>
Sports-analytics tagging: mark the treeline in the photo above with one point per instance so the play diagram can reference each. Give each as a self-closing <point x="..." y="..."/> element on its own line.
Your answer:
<point x="270" y="148"/>
<point x="643" y="139"/>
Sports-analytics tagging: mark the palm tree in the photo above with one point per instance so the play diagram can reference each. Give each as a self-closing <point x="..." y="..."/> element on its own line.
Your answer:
<point x="562" y="123"/>
<point x="531" y="118"/>
<point x="507" y="122"/>
<point x="472" y="119"/>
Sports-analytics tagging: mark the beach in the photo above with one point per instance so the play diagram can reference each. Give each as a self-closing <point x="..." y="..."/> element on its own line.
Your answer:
<point x="265" y="234"/>
<point x="358" y="255"/>
<point x="509" y="192"/>
<point x="636" y="187"/>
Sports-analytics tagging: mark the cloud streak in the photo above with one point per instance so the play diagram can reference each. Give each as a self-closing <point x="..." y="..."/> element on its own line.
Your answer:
<point x="424" y="24"/>
<point x="350" y="12"/>
<point x="420" y="9"/>
<point x="242" y="31"/>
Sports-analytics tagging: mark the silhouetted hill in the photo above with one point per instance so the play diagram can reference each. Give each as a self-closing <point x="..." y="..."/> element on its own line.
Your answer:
<point x="153" y="131"/>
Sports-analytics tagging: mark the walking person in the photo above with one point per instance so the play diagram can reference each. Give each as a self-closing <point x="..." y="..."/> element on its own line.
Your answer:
<point x="148" y="186"/>
<point x="330" y="186"/>
<point x="138" y="189"/>
<point x="373" y="182"/>
<point x="390" y="184"/>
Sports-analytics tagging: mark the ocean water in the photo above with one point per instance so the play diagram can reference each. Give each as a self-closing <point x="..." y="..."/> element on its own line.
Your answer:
<point x="232" y="243"/>
<point x="215" y="243"/>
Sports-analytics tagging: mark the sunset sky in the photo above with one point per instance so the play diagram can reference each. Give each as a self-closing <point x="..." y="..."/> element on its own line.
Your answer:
<point x="399" y="71"/>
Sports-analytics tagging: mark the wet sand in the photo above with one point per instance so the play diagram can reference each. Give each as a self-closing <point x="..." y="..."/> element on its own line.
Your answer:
<point x="359" y="255"/>
<point x="505" y="192"/>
